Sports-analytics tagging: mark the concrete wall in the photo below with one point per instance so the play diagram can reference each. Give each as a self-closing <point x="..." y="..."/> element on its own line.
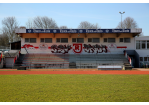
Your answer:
<point x="9" y="62"/>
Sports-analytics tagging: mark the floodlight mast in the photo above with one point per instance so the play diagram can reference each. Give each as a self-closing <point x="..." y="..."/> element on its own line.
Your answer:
<point x="121" y="18"/>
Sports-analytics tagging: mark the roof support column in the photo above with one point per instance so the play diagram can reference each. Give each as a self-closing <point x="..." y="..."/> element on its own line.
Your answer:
<point x="69" y="35"/>
<point x="37" y="35"/>
<point x="102" y="34"/>
<point x="118" y="34"/>
<point x="86" y="35"/>
<point x="53" y="35"/>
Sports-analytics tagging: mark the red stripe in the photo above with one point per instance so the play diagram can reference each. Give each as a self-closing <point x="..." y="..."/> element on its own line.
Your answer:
<point x="121" y="46"/>
<point x="36" y="47"/>
<point x="49" y="47"/>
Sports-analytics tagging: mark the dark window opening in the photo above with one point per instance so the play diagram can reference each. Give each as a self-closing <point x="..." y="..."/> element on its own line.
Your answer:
<point x="48" y="40"/>
<point x="105" y="40"/>
<point x="89" y="39"/>
<point x="64" y="40"/>
<point x="26" y="39"/>
<point x="73" y="39"/>
<point x="141" y="58"/>
<point x="126" y="40"/>
<point x="96" y="40"/>
<point x="41" y="39"/>
<point x="32" y="40"/>
<point x="121" y="39"/>
<point x="57" y="39"/>
<point x="111" y="40"/>
<point x="145" y="58"/>
<point x="80" y="40"/>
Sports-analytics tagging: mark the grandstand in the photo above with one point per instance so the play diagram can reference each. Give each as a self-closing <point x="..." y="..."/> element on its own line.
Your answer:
<point x="87" y="61"/>
<point x="113" y="49"/>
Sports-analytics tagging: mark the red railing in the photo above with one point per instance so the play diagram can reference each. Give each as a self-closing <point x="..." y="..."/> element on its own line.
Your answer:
<point x="0" y="57"/>
<point x="127" y="56"/>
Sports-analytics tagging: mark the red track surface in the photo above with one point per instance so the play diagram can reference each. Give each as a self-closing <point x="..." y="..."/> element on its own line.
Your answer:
<point x="72" y="72"/>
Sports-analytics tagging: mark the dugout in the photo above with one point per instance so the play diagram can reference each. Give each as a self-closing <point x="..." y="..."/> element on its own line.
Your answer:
<point x="15" y="45"/>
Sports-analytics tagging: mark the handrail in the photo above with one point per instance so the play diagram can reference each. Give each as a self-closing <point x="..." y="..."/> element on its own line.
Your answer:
<point x="25" y="49"/>
<point x="127" y="56"/>
<point x="9" y="54"/>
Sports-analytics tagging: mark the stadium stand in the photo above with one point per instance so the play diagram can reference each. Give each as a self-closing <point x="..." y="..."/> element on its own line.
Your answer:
<point x="48" y="61"/>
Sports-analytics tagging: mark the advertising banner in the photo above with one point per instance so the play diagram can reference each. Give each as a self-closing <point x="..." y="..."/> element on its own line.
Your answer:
<point x="77" y="30"/>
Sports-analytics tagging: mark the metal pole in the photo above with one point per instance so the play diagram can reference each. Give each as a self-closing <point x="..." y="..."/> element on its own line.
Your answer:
<point x="121" y="20"/>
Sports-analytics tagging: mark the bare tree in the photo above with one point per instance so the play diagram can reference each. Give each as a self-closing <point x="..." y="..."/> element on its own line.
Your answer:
<point x="141" y="34"/>
<point x="87" y="25"/>
<point x="63" y="27"/>
<point x="128" y="23"/>
<point x="9" y="24"/>
<point x="29" y="24"/>
<point x="43" y="23"/>
<point x="4" y="40"/>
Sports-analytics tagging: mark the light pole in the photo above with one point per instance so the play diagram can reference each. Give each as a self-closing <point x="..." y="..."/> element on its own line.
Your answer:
<point x="121" y="18"/>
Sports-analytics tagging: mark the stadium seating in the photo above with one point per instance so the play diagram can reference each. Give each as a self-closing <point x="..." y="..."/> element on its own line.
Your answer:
<point x="72" y="60"/>
<point x="45" y="61"/>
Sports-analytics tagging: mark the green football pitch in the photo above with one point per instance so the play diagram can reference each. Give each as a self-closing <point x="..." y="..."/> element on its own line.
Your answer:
<point x="74" y="88"/>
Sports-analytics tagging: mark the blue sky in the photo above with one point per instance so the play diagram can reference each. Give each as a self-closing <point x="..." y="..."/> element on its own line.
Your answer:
<point x="71" y="14"/>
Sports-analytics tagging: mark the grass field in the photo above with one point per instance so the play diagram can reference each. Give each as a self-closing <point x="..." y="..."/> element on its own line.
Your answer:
<point x="74" y="88"/>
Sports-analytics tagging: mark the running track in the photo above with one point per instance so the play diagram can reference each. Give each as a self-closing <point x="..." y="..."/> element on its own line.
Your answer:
<point x="72" y="72"/>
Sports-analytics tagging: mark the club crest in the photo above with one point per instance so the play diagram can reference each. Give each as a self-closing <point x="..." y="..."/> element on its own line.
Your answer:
<point x="77" y="48"/>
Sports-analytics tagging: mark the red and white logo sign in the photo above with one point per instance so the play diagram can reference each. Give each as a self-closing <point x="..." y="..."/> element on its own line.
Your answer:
<point x="43" y="46"/>
<point x="112" y="46"/>
<point x="77" y="48"/>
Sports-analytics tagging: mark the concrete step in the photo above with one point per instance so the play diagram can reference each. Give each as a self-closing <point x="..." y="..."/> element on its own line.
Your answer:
<point x="72" y="64"/>
<point x="72" y="67"/>
<point x="128" y="67"/>
<point x="21" y="68"/>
